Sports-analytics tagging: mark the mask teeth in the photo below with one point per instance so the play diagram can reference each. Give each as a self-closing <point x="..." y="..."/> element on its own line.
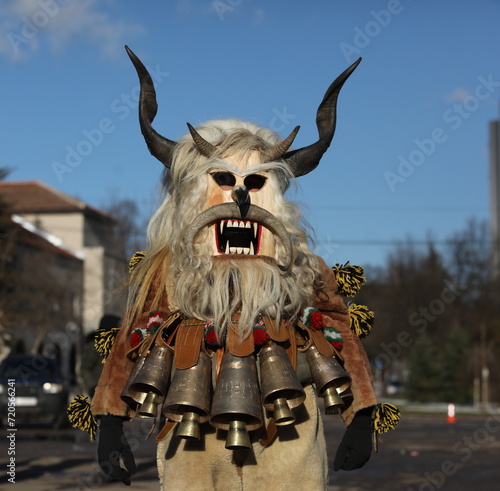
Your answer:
<point x="248" y="251"/>
<point x="223" y="225"/>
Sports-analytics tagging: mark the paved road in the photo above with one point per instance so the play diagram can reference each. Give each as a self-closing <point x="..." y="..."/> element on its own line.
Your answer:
<point x="423" y="454"/>
<point x="427" y="453"/>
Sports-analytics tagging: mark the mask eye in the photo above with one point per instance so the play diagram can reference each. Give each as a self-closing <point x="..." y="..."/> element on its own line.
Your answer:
<point x="225" y="180"/>
<point x="254" y="182"/>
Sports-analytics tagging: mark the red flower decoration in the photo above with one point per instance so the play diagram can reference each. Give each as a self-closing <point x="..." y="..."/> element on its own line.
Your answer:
<point x="135" y="338"/>
<point x="260" y="336"/>
<point x="316" y="320"/>
<point x="337" y="345"/>
<point x="210" y="337"/>
<point x="153" y="327"/>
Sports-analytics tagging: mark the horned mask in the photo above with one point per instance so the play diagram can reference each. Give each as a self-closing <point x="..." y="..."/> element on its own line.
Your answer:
<point x="242" y="186"/>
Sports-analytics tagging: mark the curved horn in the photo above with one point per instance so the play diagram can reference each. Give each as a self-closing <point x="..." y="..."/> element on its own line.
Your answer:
<point x="204" y="147"/>
<point x="306" y="159"/>
<point x="159" y="146"/>
<point x="280" y="148"/>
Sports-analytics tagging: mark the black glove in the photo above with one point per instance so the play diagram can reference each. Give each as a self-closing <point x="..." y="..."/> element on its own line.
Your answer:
<point x="111" y="447"/>
<point x="356" y="445"/>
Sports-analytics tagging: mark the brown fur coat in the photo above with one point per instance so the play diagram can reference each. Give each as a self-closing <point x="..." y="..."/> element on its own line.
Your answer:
<point x="299" y="452"/>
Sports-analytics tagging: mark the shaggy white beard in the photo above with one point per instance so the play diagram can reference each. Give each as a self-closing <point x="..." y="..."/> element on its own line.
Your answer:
<point x="217" y="289"/>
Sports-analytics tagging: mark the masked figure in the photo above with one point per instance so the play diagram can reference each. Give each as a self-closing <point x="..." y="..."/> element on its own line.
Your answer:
<point x="234" y="327"/>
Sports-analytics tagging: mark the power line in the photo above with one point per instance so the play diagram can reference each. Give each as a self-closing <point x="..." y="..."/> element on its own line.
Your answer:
<point x="394" y="242"/>
<point x="398" y="209"/>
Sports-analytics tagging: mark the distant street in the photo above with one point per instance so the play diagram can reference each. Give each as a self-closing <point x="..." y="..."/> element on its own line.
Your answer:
<point x="425" y="453"/>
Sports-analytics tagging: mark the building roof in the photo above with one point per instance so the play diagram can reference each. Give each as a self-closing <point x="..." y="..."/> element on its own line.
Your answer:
<point x="42" y="240"/>
<point x="37" y="197"/>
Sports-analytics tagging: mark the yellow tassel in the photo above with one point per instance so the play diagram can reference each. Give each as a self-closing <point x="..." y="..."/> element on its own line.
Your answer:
<point x="104" y="341"/>
<point x="80" y="416"/>
<point x="362" y="319"/>
<point x="135" y="260"/>
<point x="349" y="278"/>
<point x="385" y="418"/>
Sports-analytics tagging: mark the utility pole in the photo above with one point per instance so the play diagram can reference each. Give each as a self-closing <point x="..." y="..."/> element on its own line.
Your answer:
<point x="494" y="133"/>
<point x="485" y="372"/>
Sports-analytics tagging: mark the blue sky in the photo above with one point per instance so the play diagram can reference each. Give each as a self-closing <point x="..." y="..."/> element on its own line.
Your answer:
<point x="410" y="155"/>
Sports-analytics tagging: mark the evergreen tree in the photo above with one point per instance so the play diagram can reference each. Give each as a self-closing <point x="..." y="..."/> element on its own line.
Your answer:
<point x="455" y="368"/>
<point x="423" y="380"/>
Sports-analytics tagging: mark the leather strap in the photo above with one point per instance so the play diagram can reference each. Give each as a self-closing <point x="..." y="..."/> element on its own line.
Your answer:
<point x="338" y="354"/>
<point x="324" y="347"/>
<point x="188" y="343"/>
<point x="218" y="360"/>
<point x="237" y="346"/>
<point x="276" y="334"/>
<point x="145" y="346"/>
<point x="271" y="432"/>
<point x="292" y="348"/>
<point x="318" y="338"/>
<point x="163" y="433"/>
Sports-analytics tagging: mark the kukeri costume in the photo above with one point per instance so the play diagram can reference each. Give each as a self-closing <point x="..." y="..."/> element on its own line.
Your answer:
<point x="234" y="326"/>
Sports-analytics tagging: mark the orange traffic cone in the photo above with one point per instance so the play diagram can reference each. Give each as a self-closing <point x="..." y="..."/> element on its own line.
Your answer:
<point x="451" y="414"/>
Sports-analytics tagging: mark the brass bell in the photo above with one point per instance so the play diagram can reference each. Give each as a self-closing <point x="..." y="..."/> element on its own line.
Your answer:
<point x="329" y="377"/>
<point x="237" y="436"/>
<point x="333" y="401"/>
<point x="347" y="397"/>
<point x="149" y="408"/>
<point x="125" y="396"/>
<point x="154" y="376"/>
<point x="189" y="427"/>
<point x="188" y="400"/>
<point x="236" y="405"/>
<point x="281" y="388"/>
<point x="282" y="414"/>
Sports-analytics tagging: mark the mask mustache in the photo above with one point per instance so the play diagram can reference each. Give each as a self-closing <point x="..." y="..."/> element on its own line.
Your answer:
<point x="232" y="211"/>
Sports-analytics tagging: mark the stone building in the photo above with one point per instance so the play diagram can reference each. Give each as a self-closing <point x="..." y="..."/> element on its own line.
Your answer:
<point x="65" y="268"/>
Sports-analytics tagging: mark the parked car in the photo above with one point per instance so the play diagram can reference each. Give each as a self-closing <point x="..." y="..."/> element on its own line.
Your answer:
<point x="393" y="388"/>
<point x="40" y="394"/>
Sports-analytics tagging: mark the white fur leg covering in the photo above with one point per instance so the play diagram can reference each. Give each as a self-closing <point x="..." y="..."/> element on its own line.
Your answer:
<point x="295" y="460"/>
